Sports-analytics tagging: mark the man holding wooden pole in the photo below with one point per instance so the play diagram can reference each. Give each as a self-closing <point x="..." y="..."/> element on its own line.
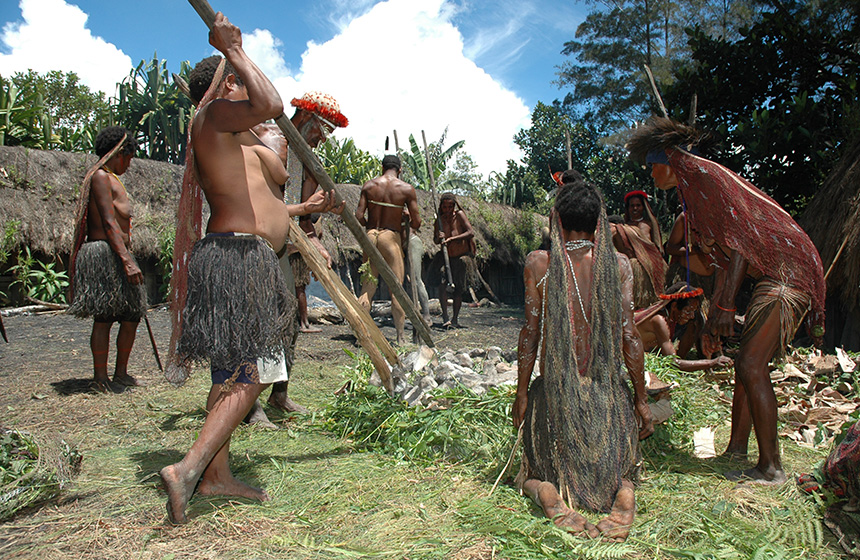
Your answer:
<point x="238" y="314"/>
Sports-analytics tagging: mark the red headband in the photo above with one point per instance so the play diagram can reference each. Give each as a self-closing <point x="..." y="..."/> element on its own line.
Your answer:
<point x="685" y="293"/>
<point x="643" y="194"/>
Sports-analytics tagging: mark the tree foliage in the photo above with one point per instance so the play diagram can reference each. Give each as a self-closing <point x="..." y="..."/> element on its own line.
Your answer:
<point x="783" y="96"/>
<point x="545" y="148"/>
<point x="346" y="163"/>
<point x="609" y="85"/>
<point x="155" y="109"/>
<point x="415" y="170"/>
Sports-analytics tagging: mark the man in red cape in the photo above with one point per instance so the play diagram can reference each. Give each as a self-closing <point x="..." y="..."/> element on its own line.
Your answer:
<point x="763" y="242"/>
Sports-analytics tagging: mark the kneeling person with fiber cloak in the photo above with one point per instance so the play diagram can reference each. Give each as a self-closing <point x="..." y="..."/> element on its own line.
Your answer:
<point x="578" y="419"/>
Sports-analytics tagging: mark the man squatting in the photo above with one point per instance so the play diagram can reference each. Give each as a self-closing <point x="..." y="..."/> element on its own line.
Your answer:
<point x="239" y="314"/>
<point x="107" y="283"/>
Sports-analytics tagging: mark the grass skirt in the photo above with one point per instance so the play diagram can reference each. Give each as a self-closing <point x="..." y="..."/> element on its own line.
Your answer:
<point x="238" y="307"/>
<point x="102" y="290"/>
<point x="791" y="303"/>
<point x="301" y="271"/>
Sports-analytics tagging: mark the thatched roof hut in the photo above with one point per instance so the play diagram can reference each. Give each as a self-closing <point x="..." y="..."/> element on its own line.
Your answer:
<point x="39" y="189"/>
<point x="831" y="218"/>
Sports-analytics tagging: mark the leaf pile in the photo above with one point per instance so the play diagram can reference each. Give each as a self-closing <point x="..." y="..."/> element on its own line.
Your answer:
<point x="29" y="474"/>
<point x="458" y="426"/>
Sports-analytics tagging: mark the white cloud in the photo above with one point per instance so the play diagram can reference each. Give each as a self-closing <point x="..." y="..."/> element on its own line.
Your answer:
<point x="53" y="36"/>
<point x="401" y="66"/>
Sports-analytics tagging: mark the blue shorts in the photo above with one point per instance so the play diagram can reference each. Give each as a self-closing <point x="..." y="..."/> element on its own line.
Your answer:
<point x="248" y="374"/>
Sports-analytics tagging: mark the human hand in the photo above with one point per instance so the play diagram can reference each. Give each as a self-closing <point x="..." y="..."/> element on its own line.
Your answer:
<point x="133" y="273"/>
<point x="646" y="420"/>
<point x="518" y="411"/>
<point x="721" y="322"/>
<point x="322" y="251"/>
<point x="722" y="362"/>
<point x="710" y="344"/>
<point x="322" y="201"/>
<point x="224" y="35"/>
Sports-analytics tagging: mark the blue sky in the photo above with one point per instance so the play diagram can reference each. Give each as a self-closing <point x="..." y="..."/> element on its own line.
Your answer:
<point x="478" y="67"/>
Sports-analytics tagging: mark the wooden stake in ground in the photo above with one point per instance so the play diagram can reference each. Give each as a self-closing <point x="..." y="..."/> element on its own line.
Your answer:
<point x="312" y="164"/>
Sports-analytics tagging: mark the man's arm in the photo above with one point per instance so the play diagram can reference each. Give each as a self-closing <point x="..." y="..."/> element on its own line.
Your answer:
<point x="101" y="192"/>
<point x="361" y="209"/>
<point x="263" y="100"/>
<point x="527" y="348"/>
<point x="412" y="206"/>
<point x="634" y="353"/>
<point x="721" y="316"/>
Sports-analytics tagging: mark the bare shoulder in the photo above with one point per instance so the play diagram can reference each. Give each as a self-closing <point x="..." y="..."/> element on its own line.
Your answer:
<point x="537" y="262"/>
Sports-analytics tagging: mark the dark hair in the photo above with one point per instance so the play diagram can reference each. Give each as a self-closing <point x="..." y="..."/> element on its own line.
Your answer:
<point x="201" y="77"/>
<point x="681" y="303"/>
<point x="571" y="176"/>
<point x="449" y="196"/>
<point x="390" y="162"/>
<point x="110" y="136"/>
<point x="578" y="205"/>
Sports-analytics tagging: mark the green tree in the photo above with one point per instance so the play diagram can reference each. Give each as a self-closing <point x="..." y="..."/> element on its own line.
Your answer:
<point x="346" y="163"/>
<point x="415" y="166"/>
<point x="23" y="118"/>
<point x="70" y="104"/>
<point x="783" y="97"/>
<point x="154" y="107"/>
<point x="545" y="147"/>
<point x="606" y="75"/>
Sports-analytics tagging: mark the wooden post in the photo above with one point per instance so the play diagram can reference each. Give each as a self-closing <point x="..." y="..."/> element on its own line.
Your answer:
<point x="312" y="164"/>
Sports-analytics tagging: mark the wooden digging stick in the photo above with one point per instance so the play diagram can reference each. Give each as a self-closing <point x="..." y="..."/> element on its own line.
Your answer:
<point x="449" y="288"/>
<point x="365" y="329"/>
<point x="312" y="164"/>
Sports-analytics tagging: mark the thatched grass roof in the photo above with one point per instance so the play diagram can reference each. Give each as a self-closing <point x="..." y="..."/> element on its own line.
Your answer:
<point x="39" y="188"/>
<point x="833" y="216"/>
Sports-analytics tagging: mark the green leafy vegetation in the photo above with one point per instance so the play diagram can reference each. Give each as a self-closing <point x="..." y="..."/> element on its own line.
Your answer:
<point x="40" y="280"/>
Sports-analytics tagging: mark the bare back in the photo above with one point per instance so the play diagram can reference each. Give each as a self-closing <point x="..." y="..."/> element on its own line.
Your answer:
<point x="383" y="199"/>
<point x="241" y="178"/>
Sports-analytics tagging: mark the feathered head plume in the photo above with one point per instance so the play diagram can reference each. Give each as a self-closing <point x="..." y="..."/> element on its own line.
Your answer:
<point x="661" y="133"/>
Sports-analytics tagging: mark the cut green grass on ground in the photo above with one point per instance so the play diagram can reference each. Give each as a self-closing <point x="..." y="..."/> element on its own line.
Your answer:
<point x="365" y="477"/>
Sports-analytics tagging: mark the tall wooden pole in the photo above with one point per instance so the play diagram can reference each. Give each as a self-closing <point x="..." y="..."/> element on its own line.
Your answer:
<point x="312" y="164"/>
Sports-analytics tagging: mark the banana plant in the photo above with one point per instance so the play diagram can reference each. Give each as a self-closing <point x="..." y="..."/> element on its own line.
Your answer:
<point x="415" y="163"/>
<point x="346" y="163"/>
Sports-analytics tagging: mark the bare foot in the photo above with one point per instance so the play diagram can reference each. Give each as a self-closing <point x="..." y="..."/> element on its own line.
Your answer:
<point x="281" y="401"/>
<point x="105" y="386"/>
<point x="258" y="416"/>
<point x="127" y="380"/>
<point x="755" y="476"/>
<point x="232" y="487"/>
<point x="563" y="517"/>
<point x="179" y="491"/>
<point x="310" y="329"/>
<point x="616" y="527"/>
<point x="735" y="454"/>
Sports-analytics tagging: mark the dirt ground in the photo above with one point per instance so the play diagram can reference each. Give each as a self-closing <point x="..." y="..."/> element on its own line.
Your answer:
<point x="48" y="359"/>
